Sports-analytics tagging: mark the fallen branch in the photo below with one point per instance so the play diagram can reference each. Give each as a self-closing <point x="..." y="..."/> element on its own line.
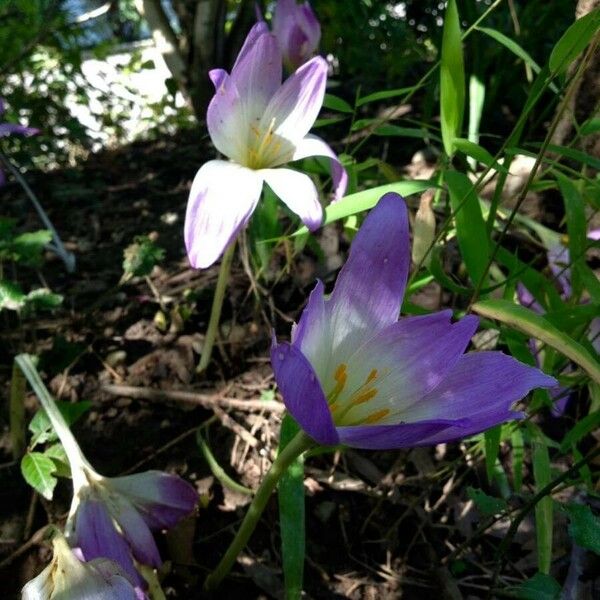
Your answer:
<point x="206" y="400"/>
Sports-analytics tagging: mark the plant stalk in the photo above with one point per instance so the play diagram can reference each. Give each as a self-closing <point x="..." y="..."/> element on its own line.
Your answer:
<point x="300" y="443"/>
<point x="77" y="461"/>
<point x="215" y="311"/>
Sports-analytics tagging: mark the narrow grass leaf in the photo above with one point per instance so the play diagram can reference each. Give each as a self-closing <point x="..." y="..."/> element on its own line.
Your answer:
<point x="336" y="103"/>
<point x="478" y="153"/>
<point x="470" y="226"/>
<point x="367" y="199"/>
<point x="573" y="41"/>
<point x="291" y="516"/>
<point x="518" y="456"/>
<point x="588" y="424"/>
<point x="512" y="46"/>
<point x="538" y="327"/>
<point x="452" y="78"/>
<point x="491" y="447"/>
<point x="543" y="509"/>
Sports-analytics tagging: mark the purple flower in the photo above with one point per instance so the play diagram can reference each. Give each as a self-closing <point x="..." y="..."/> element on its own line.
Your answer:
<point x="113" y="517"/>
<point x="67" y="578"/>
<point x="297" y="30"/>
<point x="354" y="374"/>
<point x="7" y="129"/>
<point x="259" y="124"/>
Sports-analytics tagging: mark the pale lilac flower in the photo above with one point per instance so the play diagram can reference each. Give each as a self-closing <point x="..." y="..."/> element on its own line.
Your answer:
<point x="354" y="374"/>
<point x="112" y="517"/>
<point x="67" y="578"/>
<point x="297" y="30"/>
<point x="259" y="124"/>
<point x="7" y="129"/>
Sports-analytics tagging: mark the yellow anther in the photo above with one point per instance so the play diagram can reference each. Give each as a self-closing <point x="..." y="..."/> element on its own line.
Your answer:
<point x="372" y="376"/>
<point x="376" y="416"/>
<point x="364" y="397"/>
<point x="340" y="377"/>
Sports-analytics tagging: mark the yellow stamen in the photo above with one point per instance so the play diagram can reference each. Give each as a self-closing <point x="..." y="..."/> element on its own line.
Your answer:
<point x="372" y="376"/>
<point x="340" y="377"/>
<point x="376" y="416"/>
<point x="364" y="397"/>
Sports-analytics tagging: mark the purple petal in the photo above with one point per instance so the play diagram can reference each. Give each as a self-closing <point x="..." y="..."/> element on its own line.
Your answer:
<point x="96" y="536"/>
<point x="225" y="118"/>
<point x="482" y="386"/>
<point x="2" y="106"/>
<point x="121" y="588"/>
<point x="387" y="437"/>
<point x="298" y="192"/>
<point x="257" y="76"/>
<point x="258" y="29"/>
<point x="296" y="104"/>
<point x="222" y="199"/>
<point x="297" y="30"/>
<point x="369" y="289"/>
<point x="302" y="393"/>
<point x="161" y="499"/>
<point x="411" y="358"/>
<point x="594" y="234"/>
<point x="218" y="77"/>
<point x="312" y="145"/>
<point x="137" y="534"/>
<point x="594" y="334"/>
<point x="527" y="300"/>
<point x="558" y="261"/>
<point x="10" y="128"/>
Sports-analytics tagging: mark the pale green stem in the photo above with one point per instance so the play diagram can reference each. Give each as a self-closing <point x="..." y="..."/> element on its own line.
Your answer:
<point x="300" y="443"/>
<point x="77" y="461"/>
<point x="217" y="305"/>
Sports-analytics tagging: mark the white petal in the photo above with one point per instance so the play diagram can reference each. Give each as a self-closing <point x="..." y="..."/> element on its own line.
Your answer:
<point x="221" y="201"/>
<point x="298" y="192"/>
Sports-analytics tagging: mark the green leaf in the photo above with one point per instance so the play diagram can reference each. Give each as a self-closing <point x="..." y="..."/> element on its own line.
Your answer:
<point x="384" y="95"/>
<point x="140" y="257"/>
<point x="576" y="226"/>
<point x="57" y="453"/>
<point x="291" y="515"/>
<point x="389" y="130"/>
<point x="543" y="509"/>
<point x="512" y="46"/>
<point x="584" y="526"/>
<point x="41" y="427"/>
<point x="452" y="78"/>
<point x="573" y="41"/>
<point x="335" y="103"/>
<point x="11" y="296"/>
<point x="518" y="455"/>
<point x="492" y="447"/>
<point x="586" y="425"/>
<point x="487" y="505"/>
<point x="27" y="247"/>
<point x="42" y="299"/>
<point x="470" y="226"/>
<point x="536" y="326"/>
<point x="367" y="199"/>
<point x="38" y="471"/>
<point x="479" y="153"/>
<point x="589" y="127"/>
<point x="539" y="587"/>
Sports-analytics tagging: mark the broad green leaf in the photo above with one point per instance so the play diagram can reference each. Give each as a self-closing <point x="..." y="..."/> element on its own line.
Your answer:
<point x="367" y="199"/>
<point x="11" y="296"/>
<point x="536" y="326"/>
<point x="290" y="493"/>
<point x="512" y="46"/>
<point x="336" y="103"/>
<point x="584" y="526"/>
<point x="42" y="299"/>
<point x="27" y="247"/>
<point x="452" y="78"/>
<point x="539" y="587"/>
<point x="543" y="509"/>
<point x="487" y="505"/>
<point x="470" y="226"/>
<point x="476" y="101"/>
<point x="57" y="453"/>
<point x="478" y="153"/>
<point x="41" y="428"/>
<point x="140" y="257"/>
<point x="573" y="41"/>
<point x="590" y="126"/>
<point x="586" y="425"/>
<point x="38" y="471"/>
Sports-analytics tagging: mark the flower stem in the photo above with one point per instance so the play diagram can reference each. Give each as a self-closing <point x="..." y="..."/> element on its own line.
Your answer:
<point x="294" y="448"/>
<point x="77" y="461"/>
<point x="217" y="305"/>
